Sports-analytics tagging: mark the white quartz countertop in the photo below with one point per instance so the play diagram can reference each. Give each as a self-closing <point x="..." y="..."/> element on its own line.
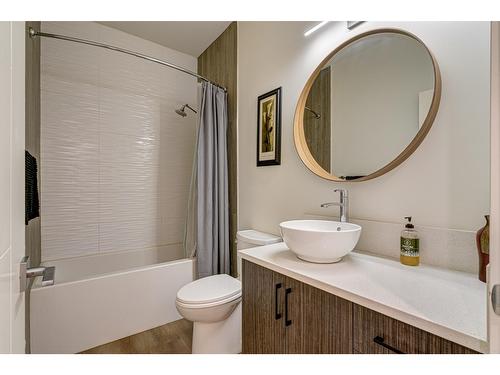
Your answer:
<point x="446" y="303"/>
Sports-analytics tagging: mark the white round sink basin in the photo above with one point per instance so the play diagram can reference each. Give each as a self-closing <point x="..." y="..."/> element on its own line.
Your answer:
<point x="320" y="241"/>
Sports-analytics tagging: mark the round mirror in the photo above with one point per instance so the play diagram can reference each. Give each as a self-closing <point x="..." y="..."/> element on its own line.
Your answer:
<point x="367" y="106"/>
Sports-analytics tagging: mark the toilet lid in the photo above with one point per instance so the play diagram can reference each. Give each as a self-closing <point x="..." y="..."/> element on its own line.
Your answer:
<point x="209" y="289"/>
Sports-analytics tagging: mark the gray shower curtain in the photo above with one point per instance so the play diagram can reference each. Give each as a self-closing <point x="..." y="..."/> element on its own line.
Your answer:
<point x="207" y="227"/>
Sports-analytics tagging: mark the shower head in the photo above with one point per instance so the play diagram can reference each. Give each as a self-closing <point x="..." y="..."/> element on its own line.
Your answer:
<point x="181" y="111"/>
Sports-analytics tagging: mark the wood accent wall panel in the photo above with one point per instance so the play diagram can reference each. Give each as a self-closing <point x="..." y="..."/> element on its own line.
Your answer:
<point x="32" y="135"/>
<point x="262" y="333"/>
<point x="219" y="64"/>
<point x="411" y="340"/>
<point x="329" y="318"/>
<point x="318" y="131"/>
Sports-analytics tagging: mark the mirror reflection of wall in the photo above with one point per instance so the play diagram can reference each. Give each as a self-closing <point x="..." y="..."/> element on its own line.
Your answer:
<point x="379" y="93"/>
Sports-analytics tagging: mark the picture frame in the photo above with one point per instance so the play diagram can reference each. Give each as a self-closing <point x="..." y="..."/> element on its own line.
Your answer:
<point x="269" y="128"/>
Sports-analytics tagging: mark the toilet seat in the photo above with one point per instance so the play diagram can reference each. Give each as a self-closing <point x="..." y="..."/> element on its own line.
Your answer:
<point x="200" y="306"/>
<point x="209" y="291"/>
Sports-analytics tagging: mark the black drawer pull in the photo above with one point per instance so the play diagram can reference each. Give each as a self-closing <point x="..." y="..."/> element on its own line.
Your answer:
<point x="277" y="314"/>
<point x="287" y="321"/>
<point x="380" y="341"/>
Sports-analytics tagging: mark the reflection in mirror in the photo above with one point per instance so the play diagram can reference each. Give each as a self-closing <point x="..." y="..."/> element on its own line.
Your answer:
<point x="368" y="103"/>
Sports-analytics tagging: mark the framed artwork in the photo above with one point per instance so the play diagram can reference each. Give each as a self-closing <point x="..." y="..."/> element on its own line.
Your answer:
<point x="269" y="128"/>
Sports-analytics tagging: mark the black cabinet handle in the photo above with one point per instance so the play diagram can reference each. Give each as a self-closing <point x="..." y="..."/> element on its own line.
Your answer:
<point x="380" y="341"/>
<point x="277" y="314"/>
<point x="287" y="292"/>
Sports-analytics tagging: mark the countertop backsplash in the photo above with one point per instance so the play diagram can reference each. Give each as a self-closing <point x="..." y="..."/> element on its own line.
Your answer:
<point x="441" y="247"/>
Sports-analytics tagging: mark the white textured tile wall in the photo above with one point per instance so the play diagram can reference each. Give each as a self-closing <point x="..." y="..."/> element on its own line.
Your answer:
<point x="115" y="158"/>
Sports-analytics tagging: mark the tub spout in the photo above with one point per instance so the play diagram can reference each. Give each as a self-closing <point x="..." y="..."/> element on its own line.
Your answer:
<point x="26" y="272"/>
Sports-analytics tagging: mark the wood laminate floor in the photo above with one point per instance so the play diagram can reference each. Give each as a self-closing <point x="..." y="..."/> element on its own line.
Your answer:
<point x="172" y="338"/>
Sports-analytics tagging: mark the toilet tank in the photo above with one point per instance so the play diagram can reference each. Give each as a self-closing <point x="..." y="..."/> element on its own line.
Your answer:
<point x="253" y="238"/>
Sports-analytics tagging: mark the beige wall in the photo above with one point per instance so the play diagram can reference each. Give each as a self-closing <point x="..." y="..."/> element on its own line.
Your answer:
<point x="12" y="307"/>
<point x="5" y="193"/>
<point x="445" y="183"/>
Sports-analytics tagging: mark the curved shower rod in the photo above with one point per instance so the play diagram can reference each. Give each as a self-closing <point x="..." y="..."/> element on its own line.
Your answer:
<point x="34" y="33"/>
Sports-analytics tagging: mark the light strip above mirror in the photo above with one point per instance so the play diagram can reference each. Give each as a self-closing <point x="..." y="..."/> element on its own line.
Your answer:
<point x="315" y="28"/>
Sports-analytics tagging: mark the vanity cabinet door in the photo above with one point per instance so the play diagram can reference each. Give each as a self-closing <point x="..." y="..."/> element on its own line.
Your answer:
<point x="327" y="322"/>
<point x="283" y="315"/>
<point x="375" y="333"/>
<point x="292" y="322"/>
<point x="263" y="310"/>
<point x="272" y="309"/>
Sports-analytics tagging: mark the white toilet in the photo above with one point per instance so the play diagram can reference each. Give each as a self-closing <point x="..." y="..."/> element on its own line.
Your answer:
<point x="213" y="303"/>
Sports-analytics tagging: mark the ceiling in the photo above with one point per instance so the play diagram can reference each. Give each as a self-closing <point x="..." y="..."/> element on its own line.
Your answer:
<point x="191" y="37"/>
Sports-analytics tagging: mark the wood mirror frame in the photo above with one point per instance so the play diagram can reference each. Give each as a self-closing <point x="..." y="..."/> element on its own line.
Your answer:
<point x="298" y="127"/>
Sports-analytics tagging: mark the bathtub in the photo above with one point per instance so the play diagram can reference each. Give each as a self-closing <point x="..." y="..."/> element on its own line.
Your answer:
<point x="101" y="298"/>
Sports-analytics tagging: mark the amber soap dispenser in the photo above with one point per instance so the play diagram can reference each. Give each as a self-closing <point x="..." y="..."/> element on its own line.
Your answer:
<point x="410" y="250"/>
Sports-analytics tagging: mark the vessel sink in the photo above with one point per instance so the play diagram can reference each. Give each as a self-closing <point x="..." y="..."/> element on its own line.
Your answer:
<point x="320" y="241"/>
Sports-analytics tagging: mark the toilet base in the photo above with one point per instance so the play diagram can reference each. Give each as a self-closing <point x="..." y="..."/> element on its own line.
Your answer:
<point x="222" y="337"/>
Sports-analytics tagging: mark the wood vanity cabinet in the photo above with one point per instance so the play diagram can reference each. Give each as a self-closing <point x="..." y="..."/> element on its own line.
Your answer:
<point x="283" y="315"/>
<point x="326" y="322"/>
<point x="375" y="333"/>
<point x="262" y="321"/>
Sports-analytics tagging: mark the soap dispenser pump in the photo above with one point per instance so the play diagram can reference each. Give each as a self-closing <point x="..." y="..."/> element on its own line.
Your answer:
<point x="410" y="250"/>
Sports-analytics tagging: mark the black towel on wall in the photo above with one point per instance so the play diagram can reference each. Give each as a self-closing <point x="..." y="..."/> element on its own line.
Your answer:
<point x="32" y="206"/>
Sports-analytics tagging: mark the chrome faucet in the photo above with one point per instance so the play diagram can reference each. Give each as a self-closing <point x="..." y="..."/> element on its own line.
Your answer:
<point x="343" y="204"/>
